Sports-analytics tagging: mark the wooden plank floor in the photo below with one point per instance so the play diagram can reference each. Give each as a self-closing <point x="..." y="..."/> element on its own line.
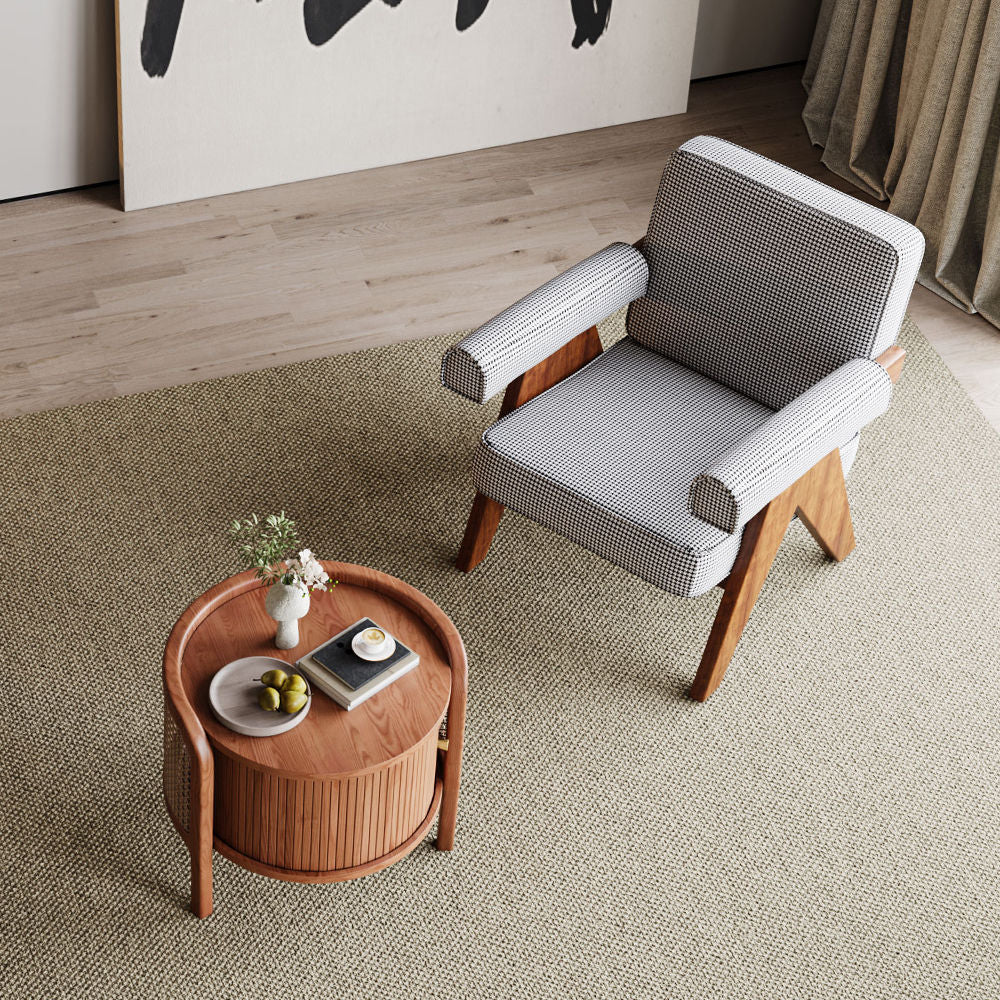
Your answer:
<point x="98" y="303"/>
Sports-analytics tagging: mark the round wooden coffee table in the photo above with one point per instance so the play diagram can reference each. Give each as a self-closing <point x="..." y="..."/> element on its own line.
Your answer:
<point x="342" y="795"/>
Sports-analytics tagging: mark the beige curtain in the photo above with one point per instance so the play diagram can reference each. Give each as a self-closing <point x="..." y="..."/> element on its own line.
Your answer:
<point x="903" y="96"/>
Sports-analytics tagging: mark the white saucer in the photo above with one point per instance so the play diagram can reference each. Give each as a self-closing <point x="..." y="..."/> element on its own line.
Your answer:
<point x="385" y="651"/>
<point x="233" y="697"/>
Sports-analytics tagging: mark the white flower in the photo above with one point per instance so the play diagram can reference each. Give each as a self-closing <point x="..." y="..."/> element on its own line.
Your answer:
<point x="309" y="571"/>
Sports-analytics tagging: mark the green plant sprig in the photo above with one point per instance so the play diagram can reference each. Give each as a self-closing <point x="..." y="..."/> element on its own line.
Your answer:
<point x="264" y="545"/>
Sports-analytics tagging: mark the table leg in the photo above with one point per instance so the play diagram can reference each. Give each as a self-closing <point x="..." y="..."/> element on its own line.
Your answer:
<point x="201" y="884"/>
<point x="453" y="760"/>
<point x="202" y="830"/>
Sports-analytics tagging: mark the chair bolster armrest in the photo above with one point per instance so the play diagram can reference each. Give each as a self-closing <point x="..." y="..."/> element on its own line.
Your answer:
<point x="747" y="477"/>
<point x="489" y="358"/>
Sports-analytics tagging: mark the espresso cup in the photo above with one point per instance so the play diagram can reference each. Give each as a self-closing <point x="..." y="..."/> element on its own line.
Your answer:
<point x="372" y="640"/>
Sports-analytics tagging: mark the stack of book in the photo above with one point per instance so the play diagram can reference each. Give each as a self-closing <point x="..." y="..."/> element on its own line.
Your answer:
<point x="345" y="677"/>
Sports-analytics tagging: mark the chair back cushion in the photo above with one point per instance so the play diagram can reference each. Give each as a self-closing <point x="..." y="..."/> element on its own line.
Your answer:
<point x="767" y="280"/>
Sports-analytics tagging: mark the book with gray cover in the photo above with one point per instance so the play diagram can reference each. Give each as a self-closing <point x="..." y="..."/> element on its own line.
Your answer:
<point x="348" y="679"/>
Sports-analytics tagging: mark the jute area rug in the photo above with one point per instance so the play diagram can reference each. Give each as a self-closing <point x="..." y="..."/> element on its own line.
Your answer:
<point x="826" y="826"/>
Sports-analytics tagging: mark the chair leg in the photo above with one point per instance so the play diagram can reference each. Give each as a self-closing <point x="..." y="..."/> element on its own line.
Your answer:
<point x="761" y="540"/>
<point x="479" y="532"/>
<point x="820" y="499"/>
<point x="825" y="511"/>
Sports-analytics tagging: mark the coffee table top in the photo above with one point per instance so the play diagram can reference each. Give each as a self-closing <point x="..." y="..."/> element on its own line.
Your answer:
<point x="229" y="621"/>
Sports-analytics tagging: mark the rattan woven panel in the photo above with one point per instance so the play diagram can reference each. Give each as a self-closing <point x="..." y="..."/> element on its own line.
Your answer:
<point x="176" y="771"/>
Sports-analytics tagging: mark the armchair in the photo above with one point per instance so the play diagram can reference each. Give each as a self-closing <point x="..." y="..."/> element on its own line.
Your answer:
<point x="762" y="311"/>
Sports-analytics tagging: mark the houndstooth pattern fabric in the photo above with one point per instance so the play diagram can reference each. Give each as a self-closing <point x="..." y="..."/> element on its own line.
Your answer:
<point x="752" y="472"/>
<point x="767" y="280"/>
<point x="489" y="358"/>
<point x="606" y="458"/>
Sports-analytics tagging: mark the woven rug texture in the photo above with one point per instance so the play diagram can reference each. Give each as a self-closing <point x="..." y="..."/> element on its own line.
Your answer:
<point x="826" y="826"/>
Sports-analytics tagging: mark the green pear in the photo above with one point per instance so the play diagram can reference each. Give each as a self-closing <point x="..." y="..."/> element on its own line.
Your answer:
<point x="292" y="701"/>
<point x="269" y="699"/>
<point x="294" y="683"/>
<point x="274" y="678"/>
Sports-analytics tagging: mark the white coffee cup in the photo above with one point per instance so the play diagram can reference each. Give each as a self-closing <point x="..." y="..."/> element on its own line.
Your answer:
<point x="372" y="640"/>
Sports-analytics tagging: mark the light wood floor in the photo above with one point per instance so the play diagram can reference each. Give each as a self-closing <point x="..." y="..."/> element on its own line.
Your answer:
<point x="98" y="303"/>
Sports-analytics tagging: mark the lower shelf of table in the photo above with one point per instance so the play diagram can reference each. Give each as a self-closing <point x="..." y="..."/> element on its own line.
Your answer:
<point x="337" y="874"/>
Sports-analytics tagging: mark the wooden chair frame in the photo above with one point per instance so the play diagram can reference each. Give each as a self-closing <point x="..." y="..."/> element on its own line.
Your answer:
<point x="819" y="498"/>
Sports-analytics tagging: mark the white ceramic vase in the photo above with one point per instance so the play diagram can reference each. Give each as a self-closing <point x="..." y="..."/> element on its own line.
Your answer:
<point x="286" y="603"/>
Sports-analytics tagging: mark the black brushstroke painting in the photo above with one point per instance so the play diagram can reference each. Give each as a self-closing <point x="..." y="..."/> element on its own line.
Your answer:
<point x="159" y="34"/>
<point x="324" y="18"/>
<point x="591" y="18"/>
<point x="469" y="11"/>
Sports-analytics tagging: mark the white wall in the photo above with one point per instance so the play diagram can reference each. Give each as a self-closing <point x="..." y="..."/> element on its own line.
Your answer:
<point x="736" y="35"/>
<point x="58" y="116"/>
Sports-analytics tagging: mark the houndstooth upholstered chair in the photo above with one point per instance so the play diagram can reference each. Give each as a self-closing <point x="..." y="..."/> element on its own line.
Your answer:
<point x="762" y="311"/>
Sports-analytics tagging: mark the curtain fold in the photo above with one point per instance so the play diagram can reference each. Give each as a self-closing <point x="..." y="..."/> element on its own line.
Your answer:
<point x="903" y="98"/>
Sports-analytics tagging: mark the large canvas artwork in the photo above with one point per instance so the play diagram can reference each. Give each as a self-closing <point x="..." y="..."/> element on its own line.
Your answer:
<point x="223" y="96"/>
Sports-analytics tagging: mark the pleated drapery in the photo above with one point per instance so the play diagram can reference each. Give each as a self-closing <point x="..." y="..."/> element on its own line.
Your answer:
<point x="903" y="97"/>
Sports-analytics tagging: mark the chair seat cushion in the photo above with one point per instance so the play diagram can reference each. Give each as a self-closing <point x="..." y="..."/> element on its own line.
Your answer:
<point x="607" y="456"/>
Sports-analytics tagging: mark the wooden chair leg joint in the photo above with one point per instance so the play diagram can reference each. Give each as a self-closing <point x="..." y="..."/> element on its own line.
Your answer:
<point x="825" y="511"/>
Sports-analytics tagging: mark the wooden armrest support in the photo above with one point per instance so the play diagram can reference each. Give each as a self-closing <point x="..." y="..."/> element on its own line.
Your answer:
<point x="584" y="347"/>
<point x="892" y="361"/>
<point x="486" y="512"/>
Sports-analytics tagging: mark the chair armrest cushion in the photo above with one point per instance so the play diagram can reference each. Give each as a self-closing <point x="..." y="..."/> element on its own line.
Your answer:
<point x="488" y="359"/>
<point x="755" y="470"/>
